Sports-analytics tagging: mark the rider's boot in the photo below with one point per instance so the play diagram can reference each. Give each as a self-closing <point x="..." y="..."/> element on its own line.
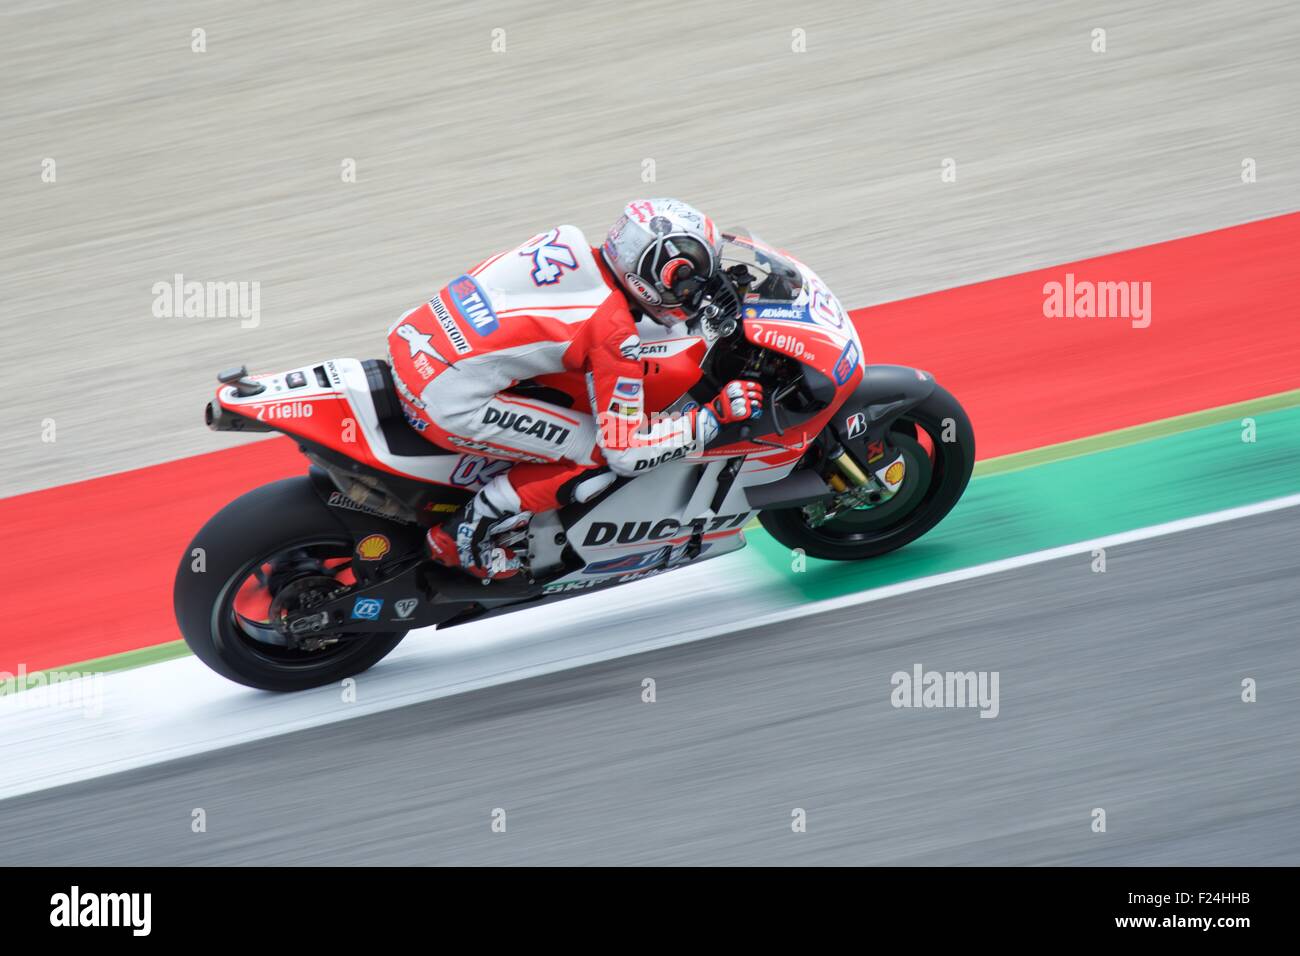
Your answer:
<point x="465" y="540"/>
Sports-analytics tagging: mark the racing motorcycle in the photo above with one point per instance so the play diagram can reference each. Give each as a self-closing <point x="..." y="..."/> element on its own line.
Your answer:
<point x="312" y="579"/>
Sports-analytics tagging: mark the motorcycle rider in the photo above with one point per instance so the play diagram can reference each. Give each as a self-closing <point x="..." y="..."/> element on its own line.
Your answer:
<point x="555" y="304"/>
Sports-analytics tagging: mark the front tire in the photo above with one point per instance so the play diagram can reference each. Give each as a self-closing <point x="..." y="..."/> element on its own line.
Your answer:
<point x="268" y="538"/>
<point x="937" y="474"/>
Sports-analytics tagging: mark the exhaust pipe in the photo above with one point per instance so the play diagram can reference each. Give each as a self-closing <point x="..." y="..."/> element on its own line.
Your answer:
<point x="223" y="420"/>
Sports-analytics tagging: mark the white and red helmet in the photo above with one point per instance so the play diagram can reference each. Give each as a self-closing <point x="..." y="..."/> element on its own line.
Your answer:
<point x="663" y="251"/>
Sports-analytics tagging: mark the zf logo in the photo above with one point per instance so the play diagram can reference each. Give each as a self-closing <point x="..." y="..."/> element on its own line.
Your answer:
<point x="367" y="609"/>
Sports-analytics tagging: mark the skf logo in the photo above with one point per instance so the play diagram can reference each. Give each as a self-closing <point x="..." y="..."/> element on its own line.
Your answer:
<point x="855" y="424"/>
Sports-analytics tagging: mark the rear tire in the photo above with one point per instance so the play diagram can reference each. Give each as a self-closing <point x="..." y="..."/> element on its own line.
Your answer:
<point x="945" y="470"/>
<point x="235" y="543"/>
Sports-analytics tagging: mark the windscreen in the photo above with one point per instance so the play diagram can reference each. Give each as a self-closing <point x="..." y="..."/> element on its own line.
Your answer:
<point x="756" y="269"/>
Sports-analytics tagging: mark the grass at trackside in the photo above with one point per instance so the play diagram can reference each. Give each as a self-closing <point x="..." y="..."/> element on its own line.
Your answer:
<point x="153" y="654"/>
<point x="1137" y="433"/>
<point x="1059" y="494"/>
<point x="1075" y="499"/>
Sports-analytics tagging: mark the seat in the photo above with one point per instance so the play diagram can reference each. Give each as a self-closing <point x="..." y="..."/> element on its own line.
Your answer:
<point x="403" y="440"/>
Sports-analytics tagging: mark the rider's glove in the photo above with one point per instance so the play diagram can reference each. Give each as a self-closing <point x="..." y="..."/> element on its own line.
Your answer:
<point x="739" y="400"/>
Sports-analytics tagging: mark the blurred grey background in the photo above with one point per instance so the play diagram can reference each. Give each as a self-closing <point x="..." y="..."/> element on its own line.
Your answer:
<point x="225" y="165"/>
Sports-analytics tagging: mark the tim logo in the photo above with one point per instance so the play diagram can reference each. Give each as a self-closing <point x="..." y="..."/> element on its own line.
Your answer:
<point x="473" y="304"/>
<point x="550" y="258"/>
<point x="847" y="363"/>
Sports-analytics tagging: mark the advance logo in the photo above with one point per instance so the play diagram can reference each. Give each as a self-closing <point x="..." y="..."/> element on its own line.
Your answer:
<point x="473" y="304"/>
<point x="74" y="909"/>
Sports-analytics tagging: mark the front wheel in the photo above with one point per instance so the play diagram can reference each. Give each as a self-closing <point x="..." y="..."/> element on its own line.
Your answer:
<point x="938" y="445"/>
<point x="272" y="550"/>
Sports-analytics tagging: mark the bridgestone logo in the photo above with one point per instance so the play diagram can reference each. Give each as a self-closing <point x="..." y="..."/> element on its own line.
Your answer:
<point x="454" y="333"/>
<point x="339" y="500"/>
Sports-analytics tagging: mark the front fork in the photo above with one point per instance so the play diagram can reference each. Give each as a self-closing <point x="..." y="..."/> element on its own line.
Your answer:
<point x="854" y="485"/>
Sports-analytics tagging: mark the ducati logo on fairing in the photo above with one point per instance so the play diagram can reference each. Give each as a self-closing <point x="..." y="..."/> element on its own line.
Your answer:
<point x="661" y="459"/>
<point x="630" y="532"/>
<point x="405" y="607"/>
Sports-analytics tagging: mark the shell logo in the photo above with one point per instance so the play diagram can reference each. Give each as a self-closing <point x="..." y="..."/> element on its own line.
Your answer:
<point x="373" y="547"/>
<point x="894" y="473"/>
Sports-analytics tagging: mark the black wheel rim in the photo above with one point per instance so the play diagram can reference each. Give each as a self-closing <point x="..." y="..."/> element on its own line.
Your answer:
<point x="236" y="621"/>
<point x="927" y="459"/>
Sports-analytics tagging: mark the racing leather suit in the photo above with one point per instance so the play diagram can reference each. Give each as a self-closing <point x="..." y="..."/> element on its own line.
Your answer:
<point x="546" y="307"/>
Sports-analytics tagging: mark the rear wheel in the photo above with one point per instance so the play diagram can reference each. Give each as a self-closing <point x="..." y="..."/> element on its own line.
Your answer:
<point x="275" y="551"/>
<point x="938" y="447"/>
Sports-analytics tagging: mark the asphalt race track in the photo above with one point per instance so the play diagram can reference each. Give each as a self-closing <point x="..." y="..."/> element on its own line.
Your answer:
<point x="1118" y="690"/>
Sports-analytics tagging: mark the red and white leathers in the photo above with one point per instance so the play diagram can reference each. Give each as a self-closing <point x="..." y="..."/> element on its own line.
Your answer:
<point x="545" y="307"/>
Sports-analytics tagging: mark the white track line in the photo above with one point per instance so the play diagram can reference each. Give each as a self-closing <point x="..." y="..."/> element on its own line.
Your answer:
<point x="179" y="708"/>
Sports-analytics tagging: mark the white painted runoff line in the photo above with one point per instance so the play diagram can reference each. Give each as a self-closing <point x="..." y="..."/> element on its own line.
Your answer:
<point x="124" y="720"/>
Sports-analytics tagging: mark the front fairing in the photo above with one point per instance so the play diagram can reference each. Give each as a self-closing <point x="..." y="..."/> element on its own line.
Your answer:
<point x="788" y="308"/>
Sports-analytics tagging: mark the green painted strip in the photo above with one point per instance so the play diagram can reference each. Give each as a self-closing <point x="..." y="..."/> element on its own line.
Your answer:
<point x="1073" y="491"/>
<point x="153" y="654"/>
<point x="1136" y="433"/>
<point x="1073" y="499"/>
